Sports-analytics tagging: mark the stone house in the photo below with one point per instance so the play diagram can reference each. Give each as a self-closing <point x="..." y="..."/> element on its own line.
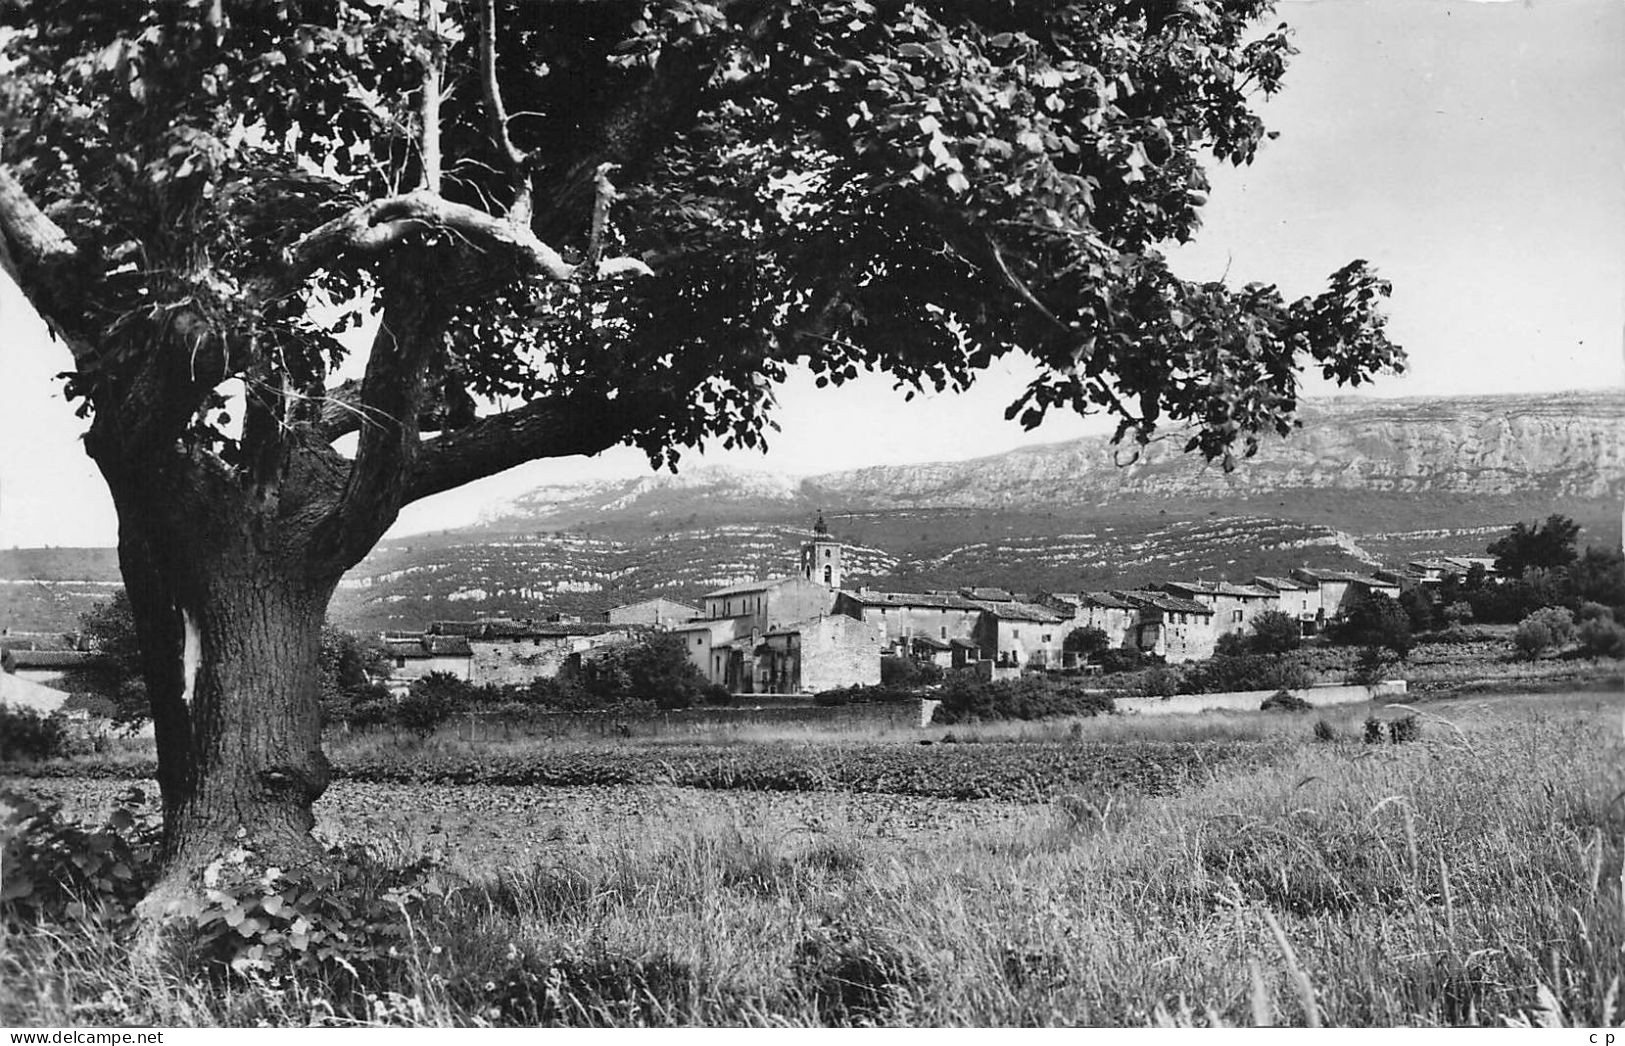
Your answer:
<point x="771" y="603"/>
<point x="1341" y="591"/>
<point x="657" y="613"/>
<point x="508" y="652"/>
<point x="823" y="653"/>
<point x="1021" y="635"/>
<point x="1297" y="600"/>
<point x="1175" y="628"/>
<point x="1116" y="617"/>
<point x="1234" y="606"/>
<point x="415" y="656"/>
<point x="908" y="616"/>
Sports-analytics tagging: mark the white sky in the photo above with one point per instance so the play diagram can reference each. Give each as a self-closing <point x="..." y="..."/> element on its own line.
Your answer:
<point x="1474" y="152"/>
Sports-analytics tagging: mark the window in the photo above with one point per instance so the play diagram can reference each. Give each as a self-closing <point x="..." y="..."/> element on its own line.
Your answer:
<point x="944" y="631"/>
<point x="826" y="553"/>
<point x="1015" y="633"/>
<point x="400" y="662"/>
<point x="1044" y="638"/>
<point x="699" y="640"/>
<point x="1235" y="615"/>
<point x="828" y="574"/>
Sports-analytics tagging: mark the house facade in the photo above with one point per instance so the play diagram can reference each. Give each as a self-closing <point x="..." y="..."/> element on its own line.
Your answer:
<point x="1116" y="617"/>
<point x="824" y="653"/>
<point x="1234" y="607"/>
<point x="907" y="616"/>
<point x="1021" y="635"/>
<point x="1297" y="600"/>
<point x="1172" y="627"/>
<point x="414" y="656"/>
<point x="508" y="652"/>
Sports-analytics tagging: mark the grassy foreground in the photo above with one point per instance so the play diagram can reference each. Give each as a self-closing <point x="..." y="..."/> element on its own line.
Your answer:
<point x="1476" y="876"/>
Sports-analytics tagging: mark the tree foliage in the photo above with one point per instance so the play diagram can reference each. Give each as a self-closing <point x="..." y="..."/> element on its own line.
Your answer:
<point x="1378" y="621"/>
<point x="917" y="188"/>
<point x="1541" y="546"/>
<point x="1275" y="632"/>
<point x="1088" y="641"/>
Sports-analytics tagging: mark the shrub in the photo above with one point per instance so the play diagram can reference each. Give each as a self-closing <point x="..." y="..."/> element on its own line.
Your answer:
<point x="1601" y="637"/>
<point x="1543" y="630"/>
<point x="1457" y="614"/>
<point x="1324" y="731"/>
<point x="59" y="872"/>
<point x="1232" y="644"/>
<point x="907" y="672"/>
<point x="1275" y="633"/>
<point x="864" y="695"/>
<point x="1377" y="620"/>
<point x="717" y="694"/>
<point x="1371" y="667"/>
<point x="343" y="919"/>
<point x="1031" y="697"/>
<point x="1419" y="608"/>
<point x="1161" y="681"/>
<point x="655" y="668"/>
<point x="29" y="734"/>
<point x="1284" y="701"/>
<point x="1248" y="672"/>
<point x="1590" y="611"/>
<point x="1087" y="641"/>
<point x="1392" y="731"/>
<point x="431" y="702"/>
<point x="1123" y="660"/>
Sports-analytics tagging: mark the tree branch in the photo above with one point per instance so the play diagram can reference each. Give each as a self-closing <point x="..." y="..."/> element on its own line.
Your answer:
<point x="517" y="157"/>
<point x="430" y="103"/>
<point x="43" y="261"/>
<point x="555" y="427"/>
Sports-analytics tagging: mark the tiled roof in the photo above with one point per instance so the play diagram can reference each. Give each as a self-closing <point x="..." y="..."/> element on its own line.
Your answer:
<point x="930" y="600"/>
<point x="1281" y="584"/>
<point x="746" y="587"/>
<point x="428" y="646"/>
<point x="492" y="631"/>
<point x="1165" y="602"/>
<point x="41" y="659"/>
<point x="657" y="599"/>
<point x="931" y="641"/>
<point x="991" y="595"/>
<point x="1221" y="589"/>
<point x="1011" y="610"/>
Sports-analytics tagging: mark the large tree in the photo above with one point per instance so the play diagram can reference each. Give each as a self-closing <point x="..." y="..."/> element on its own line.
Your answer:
<point x="622" y="220"/>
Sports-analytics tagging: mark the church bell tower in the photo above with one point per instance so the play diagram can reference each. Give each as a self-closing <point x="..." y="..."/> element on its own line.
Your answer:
<point x="821" y="557"/>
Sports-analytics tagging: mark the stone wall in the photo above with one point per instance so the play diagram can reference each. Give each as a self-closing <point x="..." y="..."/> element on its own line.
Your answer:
<point x="1249" y="700"/>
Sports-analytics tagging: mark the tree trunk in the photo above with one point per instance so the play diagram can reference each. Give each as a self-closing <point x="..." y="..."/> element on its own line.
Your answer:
<point x="229" y="610"/>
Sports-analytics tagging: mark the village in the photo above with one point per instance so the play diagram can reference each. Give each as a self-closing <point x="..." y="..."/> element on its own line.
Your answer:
<point x="807" y="632"/>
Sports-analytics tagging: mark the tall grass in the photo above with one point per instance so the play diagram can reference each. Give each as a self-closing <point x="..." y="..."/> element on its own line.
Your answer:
<point x="1474" y="877"/>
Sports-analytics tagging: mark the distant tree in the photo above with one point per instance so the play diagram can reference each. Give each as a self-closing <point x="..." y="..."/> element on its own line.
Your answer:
<point x="907" y="672"/>
<point x="1275" y="633"/>
<point x="1371" y="666"/>
<point x="655" y="668"/>
<point x="1086" y="641"/>
<point x="1598" y="575"/>
<point x="1545" y="629"/>
<point x="1477" y="577"/>
<point x="1589" y="611"/>
<point x="1547" y="546"/>
<point x="431" y="702"/>
<point x="1457" y="614"/>
<point x="1602" y="637"/>
<point x="1378" y="620"/>
<point x="1232" y="644"/>
<point x="109" y="630"/>
<point x="1419" y="608"/>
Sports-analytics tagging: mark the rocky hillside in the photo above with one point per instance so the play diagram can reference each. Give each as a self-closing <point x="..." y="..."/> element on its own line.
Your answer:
<point x="1364" y="482"/>
<point x="1566" y="448"/>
